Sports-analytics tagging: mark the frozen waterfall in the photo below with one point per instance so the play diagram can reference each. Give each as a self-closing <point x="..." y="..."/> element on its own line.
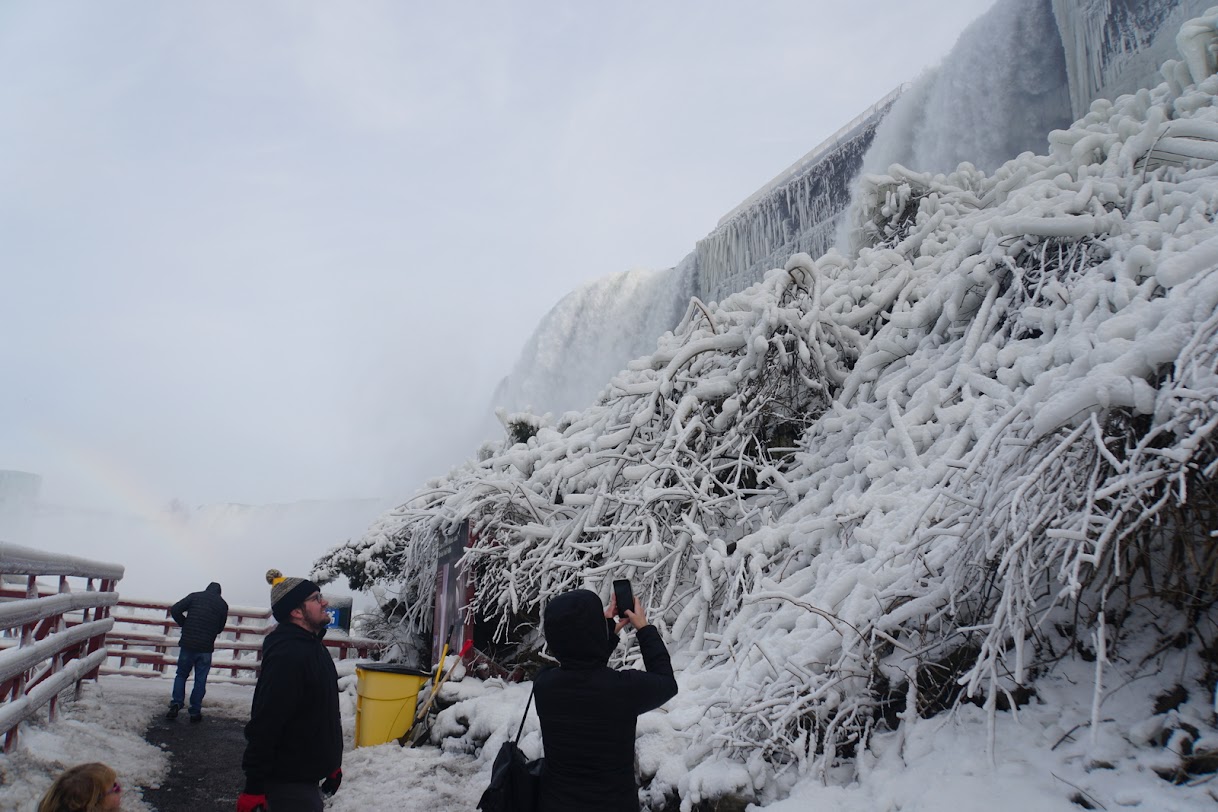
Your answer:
<point x="998" y="93"/>
<point x="591" y="333"/>
<point x="1022" y="69"/>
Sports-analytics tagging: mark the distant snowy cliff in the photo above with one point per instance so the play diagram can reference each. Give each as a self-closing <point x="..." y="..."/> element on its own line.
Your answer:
<point x="1024" y="68"/>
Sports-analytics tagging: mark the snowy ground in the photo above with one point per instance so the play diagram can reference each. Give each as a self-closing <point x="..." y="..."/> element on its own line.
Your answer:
<point x="1044" y="758"/>
<point x="107" y="723"/>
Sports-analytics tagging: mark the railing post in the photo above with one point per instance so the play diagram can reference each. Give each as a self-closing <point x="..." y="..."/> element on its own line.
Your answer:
<point x="27" y="637"/>
<point x="232" y="672"/>
<point x="88" y="646"/>
<point x="57" y="660"/>
<point x="99" y="613"/>
<point x="163" y="648"/>
<point x="34" y="683"/>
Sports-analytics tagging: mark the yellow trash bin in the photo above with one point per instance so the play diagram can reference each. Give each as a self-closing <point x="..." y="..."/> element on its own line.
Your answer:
<point x="386" y="695"/>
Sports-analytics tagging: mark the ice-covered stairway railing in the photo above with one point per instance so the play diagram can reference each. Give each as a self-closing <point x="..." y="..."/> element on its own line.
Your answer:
<point x="1000" y="406"/>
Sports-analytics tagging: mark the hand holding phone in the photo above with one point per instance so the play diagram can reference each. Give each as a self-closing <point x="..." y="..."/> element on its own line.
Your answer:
<point x="624" y="596"/>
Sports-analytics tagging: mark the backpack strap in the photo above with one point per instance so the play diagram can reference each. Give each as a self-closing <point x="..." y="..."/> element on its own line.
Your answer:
<point x="526" y="713"/>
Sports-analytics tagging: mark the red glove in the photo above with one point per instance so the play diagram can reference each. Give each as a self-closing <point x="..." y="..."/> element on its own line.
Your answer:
<point x="330" y="785"/>
<point x="251" y="803"/>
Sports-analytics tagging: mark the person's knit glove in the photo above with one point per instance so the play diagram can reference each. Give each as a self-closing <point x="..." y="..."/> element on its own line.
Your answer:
<point x="251" y="803"/>
<point x="330" y="785"/>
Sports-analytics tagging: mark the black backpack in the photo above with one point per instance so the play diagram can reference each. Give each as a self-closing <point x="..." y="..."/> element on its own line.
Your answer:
<point x="515" y="781"/>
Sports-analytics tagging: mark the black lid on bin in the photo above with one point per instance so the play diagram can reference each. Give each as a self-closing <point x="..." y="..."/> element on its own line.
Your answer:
<point x="392" y="668"/>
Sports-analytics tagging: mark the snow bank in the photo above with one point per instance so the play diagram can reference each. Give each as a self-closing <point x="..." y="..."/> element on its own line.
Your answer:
<point x="106" y="724"/>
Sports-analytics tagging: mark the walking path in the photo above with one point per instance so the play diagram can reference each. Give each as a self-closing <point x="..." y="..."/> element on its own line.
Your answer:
<point x="204" y="770"/>
<point x="204" y="763"/>
<point x="175" y="766"/>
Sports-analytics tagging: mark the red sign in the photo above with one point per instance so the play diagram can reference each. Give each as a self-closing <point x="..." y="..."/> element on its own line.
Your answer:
<point x="452" y="622"/>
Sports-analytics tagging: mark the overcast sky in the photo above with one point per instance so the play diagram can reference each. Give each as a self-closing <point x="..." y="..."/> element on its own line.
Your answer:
<point x="260" y="252"/>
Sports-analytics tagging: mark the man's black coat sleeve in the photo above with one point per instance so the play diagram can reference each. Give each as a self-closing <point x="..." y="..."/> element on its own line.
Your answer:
<point x="179" y="610"/>
<point x="222" y="621"/>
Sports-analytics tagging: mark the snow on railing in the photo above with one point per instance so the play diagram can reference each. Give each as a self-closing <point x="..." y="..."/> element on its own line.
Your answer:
<point x="145" y="642"/>
<point x="42" y="650"/>
<point x="145" y="639"/>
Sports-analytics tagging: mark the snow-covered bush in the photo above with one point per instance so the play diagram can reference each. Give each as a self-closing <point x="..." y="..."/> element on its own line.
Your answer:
<point x="870" y="486"/>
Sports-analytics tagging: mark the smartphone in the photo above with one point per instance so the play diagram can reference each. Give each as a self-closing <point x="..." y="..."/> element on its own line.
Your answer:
<point x="624" y="595"/>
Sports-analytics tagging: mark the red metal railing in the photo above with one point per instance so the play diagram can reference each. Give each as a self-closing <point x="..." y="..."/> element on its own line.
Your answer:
<point x="49" y="639"/>
<point x="52" y="636"/>
<point x="145" y="635"/>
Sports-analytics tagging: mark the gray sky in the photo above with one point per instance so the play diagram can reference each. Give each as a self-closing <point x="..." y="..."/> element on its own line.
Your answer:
<point x="271" y="251"/>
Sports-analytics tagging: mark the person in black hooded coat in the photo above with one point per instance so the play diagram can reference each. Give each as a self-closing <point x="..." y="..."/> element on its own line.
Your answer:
<point x="588" y="710"/>
<point x="202" y="616"/>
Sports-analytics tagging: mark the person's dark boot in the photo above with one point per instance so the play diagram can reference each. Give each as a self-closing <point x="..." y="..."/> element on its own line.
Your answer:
<point x="196" y="717"/>
<point x="173" y="710"/>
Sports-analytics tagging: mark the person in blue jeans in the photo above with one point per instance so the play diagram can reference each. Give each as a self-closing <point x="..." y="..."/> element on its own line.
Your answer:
<point x="202" y="616"/>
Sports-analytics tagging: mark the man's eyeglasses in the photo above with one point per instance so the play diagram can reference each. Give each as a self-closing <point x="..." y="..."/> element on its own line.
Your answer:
<point x="315" y="597"/>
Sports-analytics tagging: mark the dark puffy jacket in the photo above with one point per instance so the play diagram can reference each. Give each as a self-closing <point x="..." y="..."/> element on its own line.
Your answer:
<point x="202" y="616"/>
<point x="588" y="710"/>
<point x="294" y="734"/>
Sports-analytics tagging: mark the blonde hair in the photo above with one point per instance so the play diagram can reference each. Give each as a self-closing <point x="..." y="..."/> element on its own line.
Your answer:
<point x="79" y="789"/>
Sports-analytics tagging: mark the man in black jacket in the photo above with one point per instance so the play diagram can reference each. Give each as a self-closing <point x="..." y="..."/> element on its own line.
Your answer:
<point x="294" y="737"/>
<point x="202" y="616"/>
<point x="588" y="710"/>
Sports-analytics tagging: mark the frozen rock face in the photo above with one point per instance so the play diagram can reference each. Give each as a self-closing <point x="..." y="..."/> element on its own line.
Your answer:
<point x="798" y="211"/>
<point x="1114" y="47"/>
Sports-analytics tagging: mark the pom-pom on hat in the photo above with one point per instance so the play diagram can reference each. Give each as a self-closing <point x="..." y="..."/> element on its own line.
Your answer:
<point x="288" y="593"/>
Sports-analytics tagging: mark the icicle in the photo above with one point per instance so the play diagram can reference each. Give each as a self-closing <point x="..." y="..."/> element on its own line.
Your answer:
<point x="1101" y="656"/>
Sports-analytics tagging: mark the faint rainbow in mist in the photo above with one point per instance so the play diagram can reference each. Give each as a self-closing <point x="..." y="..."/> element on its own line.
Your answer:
<point x="128" y="494"/>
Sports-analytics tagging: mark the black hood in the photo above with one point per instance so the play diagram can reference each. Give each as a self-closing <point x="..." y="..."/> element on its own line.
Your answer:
<point x="577" y="632"/>
<point x="213" y="587"/>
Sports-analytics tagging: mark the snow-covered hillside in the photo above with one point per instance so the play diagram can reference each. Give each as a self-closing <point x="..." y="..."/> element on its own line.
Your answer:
<point x="971" y="458"/>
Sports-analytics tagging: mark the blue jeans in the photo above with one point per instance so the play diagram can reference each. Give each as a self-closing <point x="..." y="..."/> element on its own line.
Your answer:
<point x="200" y="661"/>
